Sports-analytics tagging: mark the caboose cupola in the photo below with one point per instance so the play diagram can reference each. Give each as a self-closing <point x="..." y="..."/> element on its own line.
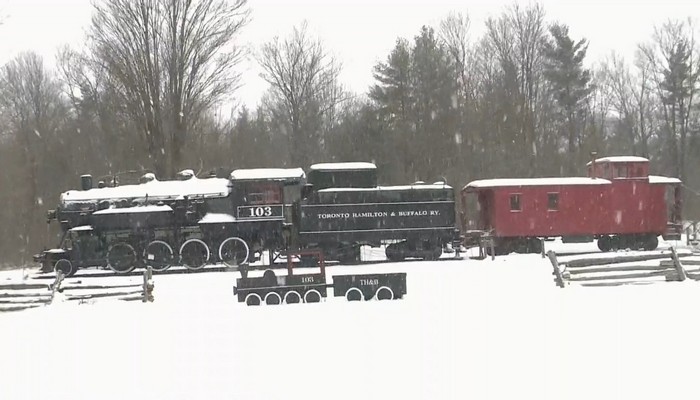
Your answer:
<point x="619" y="167"/>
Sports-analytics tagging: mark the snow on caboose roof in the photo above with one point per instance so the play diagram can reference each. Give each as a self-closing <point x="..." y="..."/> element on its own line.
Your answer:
<point x="193" y="187"/>
<point x="495" y="183"/>
<point x="267" y="174"/>
<point x="663" y="179"/>
<point x="133" y="210"/>
<point x="342" y="166"/>
<point x="619" y="159"/>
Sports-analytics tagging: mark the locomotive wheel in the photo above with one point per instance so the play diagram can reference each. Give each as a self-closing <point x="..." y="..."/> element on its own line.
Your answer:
<point x="312" y="296"/>
<point x="66" y="267"/>
<point x="651" y="243"/>
<point x="121" y="258"/>
<point x="158" y="255"/>
<point x="394" y="252"/>
<point x="273" y="299"/>
<point x="234" y="251"/>
<point x="432" y="254"/>
<point x="349" y="254"/>
<point x="292" y="297"/>
<point x="253" y="299"/>
<point x="194" y="254"/>
<point x="605" y="244"/>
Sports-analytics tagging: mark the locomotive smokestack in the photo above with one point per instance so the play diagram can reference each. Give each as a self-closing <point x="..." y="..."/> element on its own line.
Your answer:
<point x="86" y="182"/>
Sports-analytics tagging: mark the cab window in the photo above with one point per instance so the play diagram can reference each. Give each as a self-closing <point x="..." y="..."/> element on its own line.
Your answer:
<point x="263" y="193"/>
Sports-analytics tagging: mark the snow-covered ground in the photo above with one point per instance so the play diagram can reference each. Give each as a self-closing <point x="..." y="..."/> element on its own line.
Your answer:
<point x="467" y="329"/>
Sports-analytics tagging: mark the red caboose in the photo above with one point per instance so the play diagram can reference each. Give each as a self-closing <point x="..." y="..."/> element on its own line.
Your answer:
<point x="619" y="204"/>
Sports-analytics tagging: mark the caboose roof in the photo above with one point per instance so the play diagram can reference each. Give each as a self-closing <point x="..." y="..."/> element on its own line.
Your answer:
<point x="619" y="159"/>
<point x="193" y="187"/>
<point x="496" y="183"/>
<point x="267" y="174"/>
<point x="342" y="166"/>
<point x="663" y="179"/>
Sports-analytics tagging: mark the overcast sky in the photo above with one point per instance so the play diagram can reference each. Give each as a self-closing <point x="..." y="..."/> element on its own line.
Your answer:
<point x="359" y="32"/>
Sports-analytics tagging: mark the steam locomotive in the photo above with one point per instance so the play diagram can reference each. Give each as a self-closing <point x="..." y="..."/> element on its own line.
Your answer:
<point x="191" y="221"/>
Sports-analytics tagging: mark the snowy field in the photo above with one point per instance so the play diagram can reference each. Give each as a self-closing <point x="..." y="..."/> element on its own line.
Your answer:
<point x="467" y="329"/>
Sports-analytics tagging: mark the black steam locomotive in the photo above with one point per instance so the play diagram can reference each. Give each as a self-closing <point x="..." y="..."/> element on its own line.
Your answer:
<point x="193" y="222"/>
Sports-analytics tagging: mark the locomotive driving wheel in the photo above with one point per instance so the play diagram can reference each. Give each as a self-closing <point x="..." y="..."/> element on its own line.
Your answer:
<point x="395" y="252"/>
<point x="66" y="267"/>
<point x="234" y="251"/>
<point x="159" y="255"/>
<point x="194" y="254"/>
<point x="121" y="258"/>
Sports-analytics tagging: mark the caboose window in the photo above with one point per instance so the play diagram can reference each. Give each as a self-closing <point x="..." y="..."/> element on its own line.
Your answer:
<point x="515" y="202"/>
<point x="620" y="171"/>
<point x="552" y="201"/>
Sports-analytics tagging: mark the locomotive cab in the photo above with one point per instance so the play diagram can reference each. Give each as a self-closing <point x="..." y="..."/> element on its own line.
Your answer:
<point x="258" y="211"/>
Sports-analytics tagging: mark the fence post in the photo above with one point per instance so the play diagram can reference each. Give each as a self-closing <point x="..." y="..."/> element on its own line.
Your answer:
<point x="56" y="284"/>
<point x="558" y="279"/>
<point x="148" y="285"/>
<point x="677" y="264"/>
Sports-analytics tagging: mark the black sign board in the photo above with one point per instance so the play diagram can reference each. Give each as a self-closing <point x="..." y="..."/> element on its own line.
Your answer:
<point x="262" y="211"/>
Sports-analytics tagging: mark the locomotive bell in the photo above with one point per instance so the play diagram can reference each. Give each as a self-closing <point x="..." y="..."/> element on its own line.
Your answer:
<point x="86" y="182"/>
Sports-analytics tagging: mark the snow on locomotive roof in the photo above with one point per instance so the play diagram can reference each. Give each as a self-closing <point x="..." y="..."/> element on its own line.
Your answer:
<point x="620" y="159"/>
<point x="193" y="187"/>
<point x="342" y="166"/>
<point x="495" y="183"/>
<point x="133" y="210"/>
<point x="267" y="174"/>
<point x="216" y="218"/>
<point x="387" y="188"/>
<point x="663" y="179"/>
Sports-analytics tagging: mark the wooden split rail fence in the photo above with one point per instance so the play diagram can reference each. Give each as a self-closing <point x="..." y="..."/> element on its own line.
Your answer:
<point x="25" y="294"/>
<point x="620" y="270"/>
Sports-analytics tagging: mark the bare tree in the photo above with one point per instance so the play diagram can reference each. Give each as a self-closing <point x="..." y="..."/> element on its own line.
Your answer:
<point x="630" y="100"/>
<point x="454" y="35"/>
<point x="31" y="100"/>
<point x="673" y="57"/>
<point x="169" y="61"/>
<point x="304" y="88"/>
<point x="518" y="37"/>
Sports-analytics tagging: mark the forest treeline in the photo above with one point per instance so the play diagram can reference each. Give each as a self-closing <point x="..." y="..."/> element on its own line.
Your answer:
<point x="147" y="89"/>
